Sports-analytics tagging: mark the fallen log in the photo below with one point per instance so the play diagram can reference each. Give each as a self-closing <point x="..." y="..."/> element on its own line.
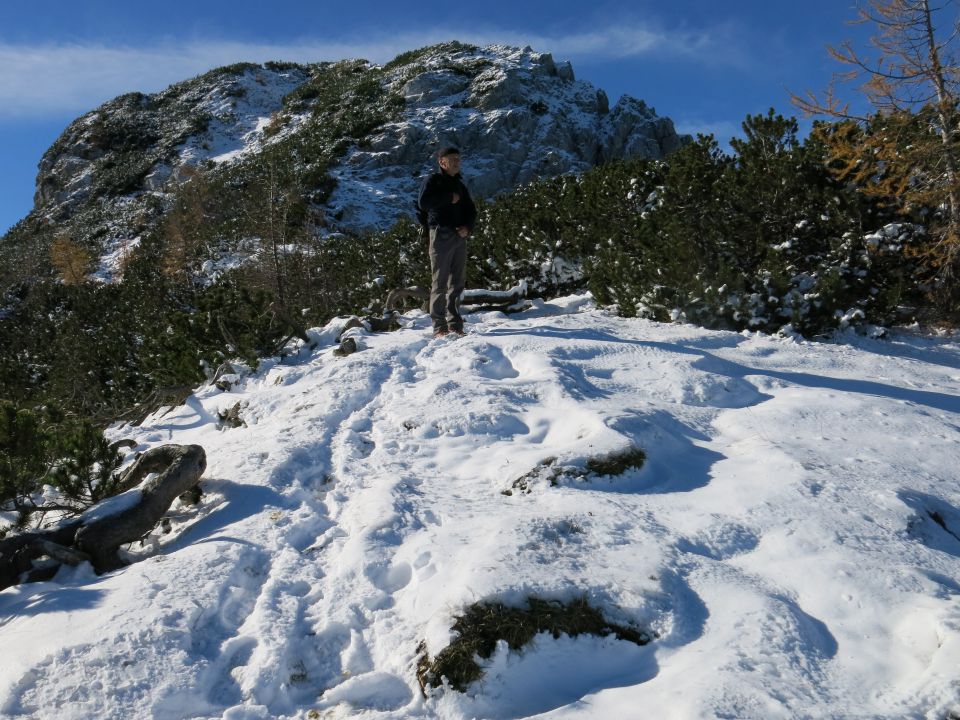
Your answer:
<point x="504" y="300"/>
<point x="172" y="397"/>
<point x="18" y="553"/>
<point x="397" y="297"/>
<point x="97" y="537"/>
<point x="103" y="537"/>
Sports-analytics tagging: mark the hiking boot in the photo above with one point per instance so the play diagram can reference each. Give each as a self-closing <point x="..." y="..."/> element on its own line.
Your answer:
<point x="440" y="333"/>
<point x="458" y="331"/>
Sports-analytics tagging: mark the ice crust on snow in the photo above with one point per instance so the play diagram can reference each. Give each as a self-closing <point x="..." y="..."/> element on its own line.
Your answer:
<point x="793" y="539"/>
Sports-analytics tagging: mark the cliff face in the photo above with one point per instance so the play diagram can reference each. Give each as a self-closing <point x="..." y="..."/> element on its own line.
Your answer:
<point x="352" y="138"/>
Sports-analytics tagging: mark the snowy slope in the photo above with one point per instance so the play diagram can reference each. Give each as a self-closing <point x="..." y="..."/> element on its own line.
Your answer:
<point x="793" y="540"/>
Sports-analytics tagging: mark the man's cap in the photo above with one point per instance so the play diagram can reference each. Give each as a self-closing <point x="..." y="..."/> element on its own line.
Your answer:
<point x="449" y="151"/>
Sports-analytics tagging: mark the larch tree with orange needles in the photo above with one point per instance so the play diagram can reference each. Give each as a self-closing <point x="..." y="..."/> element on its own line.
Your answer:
<point x="907" y="149"/>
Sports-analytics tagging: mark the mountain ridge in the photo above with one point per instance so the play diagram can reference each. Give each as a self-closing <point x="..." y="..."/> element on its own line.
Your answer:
<point x="354" y="135"/>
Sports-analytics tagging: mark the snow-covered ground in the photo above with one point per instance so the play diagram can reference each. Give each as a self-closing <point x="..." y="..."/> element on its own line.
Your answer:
<point x="793" y="539"/>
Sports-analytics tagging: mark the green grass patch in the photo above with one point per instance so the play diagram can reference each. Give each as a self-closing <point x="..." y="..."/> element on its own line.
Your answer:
<point x="483" y="624"/>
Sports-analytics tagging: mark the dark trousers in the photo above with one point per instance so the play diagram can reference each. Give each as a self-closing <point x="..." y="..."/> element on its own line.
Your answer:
<point x="448" y="268"/>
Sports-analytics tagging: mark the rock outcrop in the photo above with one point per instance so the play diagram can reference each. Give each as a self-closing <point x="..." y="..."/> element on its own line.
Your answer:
<point x="517" y="116"/>
<point x="140" y="143"/>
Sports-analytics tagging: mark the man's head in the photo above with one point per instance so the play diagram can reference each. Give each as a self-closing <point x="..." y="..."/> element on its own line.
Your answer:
<point x="450" y="160"/>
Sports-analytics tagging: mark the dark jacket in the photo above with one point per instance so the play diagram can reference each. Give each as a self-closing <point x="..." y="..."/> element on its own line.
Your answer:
<point x="436" y="198"/>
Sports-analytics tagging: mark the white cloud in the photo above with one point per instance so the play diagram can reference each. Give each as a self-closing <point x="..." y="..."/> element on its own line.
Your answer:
<point x="40" y="80"/>
<point x="46" y="79"/>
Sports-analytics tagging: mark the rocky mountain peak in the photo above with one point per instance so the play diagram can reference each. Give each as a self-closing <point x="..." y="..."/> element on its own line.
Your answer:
<point x="516" y="114"/>
<point x="353" y="138"/>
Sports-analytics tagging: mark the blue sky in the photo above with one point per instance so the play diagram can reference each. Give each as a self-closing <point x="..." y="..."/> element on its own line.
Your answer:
<point x="705" y="64"/>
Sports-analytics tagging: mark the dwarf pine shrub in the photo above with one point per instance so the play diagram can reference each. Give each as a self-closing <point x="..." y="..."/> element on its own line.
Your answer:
<point x="484" y="624"/>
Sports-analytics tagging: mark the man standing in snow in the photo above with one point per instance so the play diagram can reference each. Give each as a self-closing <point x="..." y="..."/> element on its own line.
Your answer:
<point x="450" y="215"/>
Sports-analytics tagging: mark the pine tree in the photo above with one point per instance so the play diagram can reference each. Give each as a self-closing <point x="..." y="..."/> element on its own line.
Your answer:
<point x="84" y="471"/>
<point x="186" y="226"/>
<point x="40" y="448"/>
<point x="24" y="457"/>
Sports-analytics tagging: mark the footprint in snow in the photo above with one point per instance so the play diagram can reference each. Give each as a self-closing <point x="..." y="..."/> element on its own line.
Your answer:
<point x="223" y="687"/>
<point x="494" y="365"/>
<point x="390" y="578"/>
<point x="373" y="691"/>
<point x="720" y="542"/>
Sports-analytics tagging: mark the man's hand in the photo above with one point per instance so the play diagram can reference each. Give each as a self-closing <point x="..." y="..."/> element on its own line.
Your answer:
<point x="463" y="231"/>
<point x="456" y="198"/>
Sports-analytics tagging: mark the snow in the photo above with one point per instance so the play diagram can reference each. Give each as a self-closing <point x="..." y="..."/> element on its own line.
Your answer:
<point x="793" y="539"/>
<point x="110" y="265"/>
<point x="239" y="114"/>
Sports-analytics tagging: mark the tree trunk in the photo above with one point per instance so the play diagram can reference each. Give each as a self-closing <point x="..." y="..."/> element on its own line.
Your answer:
<point x="101" y="538"/>
<point x="17" y="553"/>
<point x="395" y="298"/>
<point x="946" y="105"/>
<point x="503" y="300"/>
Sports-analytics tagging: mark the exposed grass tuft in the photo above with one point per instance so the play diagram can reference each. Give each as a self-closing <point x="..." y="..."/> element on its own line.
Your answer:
<point x="549" y="471"/>
<point x="543" y="470"/>
<point x="483" y="624"/>
<point x="617" y="463"/>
